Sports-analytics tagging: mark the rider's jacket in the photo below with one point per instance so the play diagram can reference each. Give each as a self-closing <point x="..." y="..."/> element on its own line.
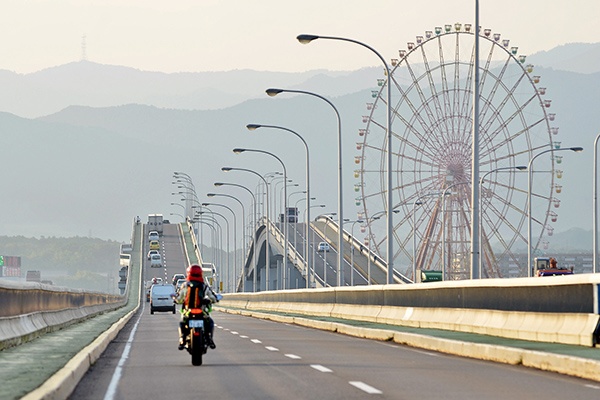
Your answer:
<point x="191" y="294"/>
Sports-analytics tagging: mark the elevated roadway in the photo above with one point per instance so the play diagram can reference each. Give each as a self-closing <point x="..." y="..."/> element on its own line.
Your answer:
<point x="264" y="359"/>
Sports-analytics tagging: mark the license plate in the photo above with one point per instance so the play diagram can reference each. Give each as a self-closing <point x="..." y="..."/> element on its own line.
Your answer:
<point x="196" y="323"/>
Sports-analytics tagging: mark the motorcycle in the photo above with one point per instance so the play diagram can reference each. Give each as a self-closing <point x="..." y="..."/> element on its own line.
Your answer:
<point x="196" y="343"/>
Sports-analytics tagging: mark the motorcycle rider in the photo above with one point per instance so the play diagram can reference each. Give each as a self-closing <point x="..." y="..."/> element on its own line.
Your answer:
<point x="195" y="293"/>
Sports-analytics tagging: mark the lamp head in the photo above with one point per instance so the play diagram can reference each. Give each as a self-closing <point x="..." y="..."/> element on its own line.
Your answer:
<point x="226" y="169"/>
<point x="306" y="39"/>
<point x="211" y="194"/>
<point x="206" y="204"/>
<point x="521" y="167"/>
<point x="253" y="127"/>
<point x="274" y="92"/>
<point x="217" y="184"/>
<point x="576" y="149"/>
<point x="238" y="150"/>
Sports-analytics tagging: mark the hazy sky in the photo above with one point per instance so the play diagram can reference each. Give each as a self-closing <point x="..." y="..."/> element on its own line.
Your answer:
<point x="210" y="35"/>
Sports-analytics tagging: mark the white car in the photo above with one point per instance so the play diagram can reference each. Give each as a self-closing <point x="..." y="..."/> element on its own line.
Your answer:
<point x="153" y="235"/>
<point x="323" y="246"/>
<point x="155" y="261"/>
<point x="151" y="252"/>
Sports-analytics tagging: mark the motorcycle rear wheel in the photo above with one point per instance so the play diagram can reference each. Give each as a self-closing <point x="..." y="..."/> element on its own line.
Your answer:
<point x="197" y="346"/>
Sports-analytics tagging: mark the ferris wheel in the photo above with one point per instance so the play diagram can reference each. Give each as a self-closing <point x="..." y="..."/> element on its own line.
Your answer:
<point x="432" y="98"/>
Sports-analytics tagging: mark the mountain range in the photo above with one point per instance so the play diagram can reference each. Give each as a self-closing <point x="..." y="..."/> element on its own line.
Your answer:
<point x="87" y="147"/>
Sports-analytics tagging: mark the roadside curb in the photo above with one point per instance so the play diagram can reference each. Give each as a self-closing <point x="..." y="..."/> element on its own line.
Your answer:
<point x="63" y="382"/>
<point x="563" y="364"/>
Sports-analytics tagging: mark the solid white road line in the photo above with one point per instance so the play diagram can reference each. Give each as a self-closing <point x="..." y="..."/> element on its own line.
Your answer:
<point x="365" y="388"/>
<point x="114" y="382"/>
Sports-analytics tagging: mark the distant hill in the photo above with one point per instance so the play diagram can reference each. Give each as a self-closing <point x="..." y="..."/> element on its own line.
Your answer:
<point x="582" y="58"/>
<point x="106" y="140"/>
<point x="91" y="84"/>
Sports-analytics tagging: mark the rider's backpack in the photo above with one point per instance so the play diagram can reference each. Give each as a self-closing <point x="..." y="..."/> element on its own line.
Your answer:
<point x="194" y="295"/>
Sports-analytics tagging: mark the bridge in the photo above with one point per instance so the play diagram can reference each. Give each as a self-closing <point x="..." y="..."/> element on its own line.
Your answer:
<point x="117" y="349"/>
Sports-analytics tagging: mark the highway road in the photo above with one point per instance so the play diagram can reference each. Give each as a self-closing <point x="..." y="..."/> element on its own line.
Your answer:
<point x="259" y="359"/>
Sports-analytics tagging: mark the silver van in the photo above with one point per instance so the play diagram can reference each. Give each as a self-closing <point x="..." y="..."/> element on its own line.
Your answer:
<point x="160" y="298"/>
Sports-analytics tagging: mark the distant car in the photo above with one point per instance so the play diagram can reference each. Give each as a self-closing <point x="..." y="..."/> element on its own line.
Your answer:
<point x="153" y="281"/>
<point x="177" y="277"/>
<point x="154" y="245"/>
<point x="156" y="261"/>
<point x="152" y="252"/>
<point x="153" y="235"/>
<point x="323" y="246"/>
<point x="160" y="298"/>
<point x="178" y="285"/>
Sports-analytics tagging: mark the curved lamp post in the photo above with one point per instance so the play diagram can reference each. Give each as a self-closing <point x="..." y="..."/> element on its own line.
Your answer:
<point x="239" y="150"/>
<point x="340" y="259"/>
<point x="529" y="181"/>
<point x="243" y="217"/>
<point x="595" y="205"/>
<point x="213" y="213"/>
<point x="305" y="39"/>
<point x="234" y="241"/>
<point x="418" y="202"/>
<point x="481" y="180"/>
<point x="219" y="184"/>
<point x="253" y="127"/>
<point x="267" y="257"/>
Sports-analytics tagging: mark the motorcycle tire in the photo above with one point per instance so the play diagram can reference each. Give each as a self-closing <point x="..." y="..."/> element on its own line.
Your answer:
<point x="197" y="346"/>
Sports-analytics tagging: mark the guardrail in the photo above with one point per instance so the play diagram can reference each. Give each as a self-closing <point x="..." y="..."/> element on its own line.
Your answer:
<point x="554" y="309"/>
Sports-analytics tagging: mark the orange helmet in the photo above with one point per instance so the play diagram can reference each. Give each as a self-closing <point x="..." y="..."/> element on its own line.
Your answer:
<point x="194" y="273"/>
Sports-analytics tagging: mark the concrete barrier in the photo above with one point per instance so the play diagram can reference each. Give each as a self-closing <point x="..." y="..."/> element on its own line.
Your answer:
<point x="553" y="309"/>
<point x="48" y="308"/>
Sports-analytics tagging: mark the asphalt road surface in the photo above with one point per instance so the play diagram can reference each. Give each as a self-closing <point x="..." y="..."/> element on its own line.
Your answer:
<point x="258" y="359"/>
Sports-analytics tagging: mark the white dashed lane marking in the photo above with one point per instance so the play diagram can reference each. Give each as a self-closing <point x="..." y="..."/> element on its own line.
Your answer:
<point x="365" y="388"/>
<point x="358" y="384"/>
<point x="321" y="368"/>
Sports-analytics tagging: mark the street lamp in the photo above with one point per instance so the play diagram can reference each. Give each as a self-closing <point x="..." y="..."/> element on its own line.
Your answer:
<point x="253" y="228"/>
<point x="313" y="282"/>
<point x="340" y="259"/>
<point x="305" y="39"/>
<point x="253" y="127"/>
<point x="216" y="238"/>
<point x="243" y="215"/>
<point x="481" y="180"/>
<point x="239" y="150"/>
<point x="444" y="194"/>
<point x="352" y="251"/>
<point x="530" y="178"/>
<point x="234" y="241"/>
<point x="418" y="202"/>
<point x="595" y="205"/>
<point x="267" y="257"/>
<point x="227" y="241"/>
